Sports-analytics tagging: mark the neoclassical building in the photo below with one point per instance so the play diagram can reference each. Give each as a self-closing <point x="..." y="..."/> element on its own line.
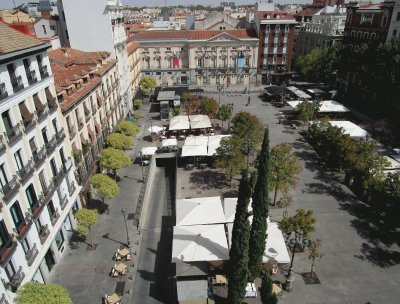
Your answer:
<point x="134" y="65"/>
<point x="216" y="57"/>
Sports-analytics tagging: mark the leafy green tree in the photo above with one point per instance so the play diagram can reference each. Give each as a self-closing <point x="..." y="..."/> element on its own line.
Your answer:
<point x="137" y="103"/>
<point x="305" y="112"/>
<point x="184" y="98"/>
<point x="260" y="203"/>
<point x="303" y="220"/>
<point x="147" y="84"/>
<point x="229" y="157"/>
<point x="283" y="169"/>
<point x="36" y="293"/>
<point x="209" y="106"/>
<point x="238" y="254"/>
<point x="267" y="295"/>
<point x="314" y="252"/>
<point x="246" y="125"/>
<point x="86" y="218"/>
<point x="224" y="113"/>
<point x="127" y="128"/>
<point x="119" y="141"/>
<point x="104" y="186"/>
<point x="114" y="159"/>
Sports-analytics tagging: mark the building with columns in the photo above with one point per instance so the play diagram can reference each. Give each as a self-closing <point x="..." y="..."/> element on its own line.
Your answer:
<point x="104" y="32"/>
<point x="87" y="91"/>
<point x="134" y="64"/>
<point x="38" y="190"/>
<point x="217" y="58"/>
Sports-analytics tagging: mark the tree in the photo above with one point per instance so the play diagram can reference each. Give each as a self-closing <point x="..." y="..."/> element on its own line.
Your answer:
<point x="314" y="252"/>
<point x="119" y="141"/>
<point x="147" y="84"/>
<point x="137" y="103"/>
<point x="86" y="218"/>
<point x="283" y="170"/>
<point x="303" y="220"/>
<point x="184" y="98"/>
<point x="229" y="156"/>
<point x="36" y="293"/>
<point x="238" y="254"/>
<point x="104" y="186"/>
<point x="246" y="125"/>
<point x="209" y="106"/>
<point x="113" y="159"/>
<point x="267" y="295"/>
<point x="305" y="112"/>
<point x="127" y="128"/>
<point x="260" y="203"/>
<point x="224" y="113"/>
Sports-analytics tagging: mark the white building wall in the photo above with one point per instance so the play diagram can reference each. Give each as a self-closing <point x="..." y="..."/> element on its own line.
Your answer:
<point x="394" y="29"/>
<point x="43" y="30"/>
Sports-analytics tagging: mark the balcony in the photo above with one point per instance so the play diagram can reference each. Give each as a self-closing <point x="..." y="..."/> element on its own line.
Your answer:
<point x="94" y="109"/>
<point x="31" y="75"/>
<point x="80" y="123"/>
<point x="17" y="84"/>
<point x="3" y="299"/>
<point x="29" y="125"/>
<point x="39" y="157"/>
<point x="10" y="188"/>
<point x="54" y="217"/>
<point x="43" y="71"/>
<point x="37" y="207"/>
<point x="68" y="164"/>
<point x="41" y="114"/>
<point x="6" y="250"/>
<point x="72" y="132"/>
<point x="26" y="171"/>
<point x="71" y="188"/>
<point x="63" y="201"/>
<point x="51" y="145"/>
<point x="58" y="178"/>
<point x="14" y="133"/>
<point x="44" y="234"/>
<point x="23" y="227"/>
<point x="60" y="136"/>
<point x="2" y="144"/>
<point x="31" y="254"/>
<point x="17" y="279"/>
<point x="47" y="193"/>
<point x="3" y="91"/>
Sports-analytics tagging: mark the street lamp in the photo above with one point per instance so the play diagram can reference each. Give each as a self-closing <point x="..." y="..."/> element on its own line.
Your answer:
<point x="141" y="165"/>
<point x="295" y="240"/>
<point x="247" y="147"/>
<point x="219" y="94"/>
<point x="151" y="129"/>
<point x="283" y="86"/>
<point x="123" y="210"/>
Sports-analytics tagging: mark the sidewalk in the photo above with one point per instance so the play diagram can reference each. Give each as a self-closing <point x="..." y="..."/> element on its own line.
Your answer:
<point x="85" y="273"/>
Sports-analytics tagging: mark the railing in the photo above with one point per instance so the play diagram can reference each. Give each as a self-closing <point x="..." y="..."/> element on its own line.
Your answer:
<point x="72" y="132"/>
<point x="2" y="144"/>
<point x="3" y="299"/>
<point x="59" y="177"/>
<point x="43" y="71"/>
<point x="26" y="171"/>
<point x="7" y="249"/>
<point x="41" y="114"/>
<point x="3" y="91"/>
<point x="17" y="279"/>
<point x="44" y="233"/>
<point x="71" y="188"/>
<point x="17" y="84"/>
<point x="51" y="145"/>
<point x="54" y="217"/>
<point x="31" y="75"/>
<point x="47" y="191"/>
<point x="60" y="135"/>
<point x="31" y="254"/>
<point x="14" y="133"/>
<point x="10" y="188"/>
<point x="68" y="164"/>
<point x="28" y="125"/>
<point x="80" y="123"/>
<point x="23" y="227"/>
<point x="39" y="157"/>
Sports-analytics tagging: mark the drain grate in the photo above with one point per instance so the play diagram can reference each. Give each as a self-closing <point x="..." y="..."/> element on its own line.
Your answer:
<point x="131" y="216"/>
<point x="120" y="288"/>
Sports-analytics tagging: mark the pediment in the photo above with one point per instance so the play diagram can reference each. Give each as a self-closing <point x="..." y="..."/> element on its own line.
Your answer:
<point x="223" y="37"/>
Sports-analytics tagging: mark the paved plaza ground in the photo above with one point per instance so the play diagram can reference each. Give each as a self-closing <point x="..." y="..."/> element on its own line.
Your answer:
<point x="360" y="264"/>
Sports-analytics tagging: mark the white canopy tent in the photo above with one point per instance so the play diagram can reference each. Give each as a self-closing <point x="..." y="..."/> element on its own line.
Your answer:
<point x="194" y="151"/>
<point x="196" y="141"/>
<point x="315" y="91"/>
<point x="275" y="249"/>
<point x="179" y="122"/>
<point x="155" y="129"/>
<point x="298" y="93"/>
<point x="197" y="211"/>
<point x="350" y="128"/>
<point x="199" y="243"/>
<point x="199" y="122"/>
<point x="169" y="142"/>
<point x="230" y="209"/>
<point x="148" y="150"/>
<point x="294" y="103"/>
<point x="214" y="143"/>
<point x="332" y="106"/>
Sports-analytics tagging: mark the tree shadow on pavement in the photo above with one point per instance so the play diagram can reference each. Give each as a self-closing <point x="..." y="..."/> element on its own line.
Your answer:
<point x="208" y="179"/>
<point x="379" y="256"/>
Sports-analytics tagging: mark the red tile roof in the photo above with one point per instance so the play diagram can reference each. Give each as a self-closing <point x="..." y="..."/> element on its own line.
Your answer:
<point x="132" y="46"/>
<point x="193" y="35"/>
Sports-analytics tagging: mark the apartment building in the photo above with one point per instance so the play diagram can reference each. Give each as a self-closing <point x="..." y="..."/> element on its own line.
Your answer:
<point x="104" y="32"/>
<point x="134" y="64"/>
<point x="218" y="58"/>
<point x="38" y="191"/>
<point x="87" y="90"/>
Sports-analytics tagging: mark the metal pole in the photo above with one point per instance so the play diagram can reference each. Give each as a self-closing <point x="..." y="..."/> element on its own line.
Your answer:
<point x="219" y="96"/>
<point x="141" y="164"/>
<point x="123" y="210"/>
<point x="151" y="129"/>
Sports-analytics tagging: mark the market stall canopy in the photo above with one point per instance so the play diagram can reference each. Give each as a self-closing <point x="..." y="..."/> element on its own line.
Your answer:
<point x="196" y="141"/>
<point x="315" y="91"/>
<point x="230" y="209"/>
<point x="148" y="150"/>
<point x="332" y="106"/>
<point x="350" y="128"/>
<point x="199" y="243"/>
<point x="169" y="142"/>
<point x="155" y="129"/>
<point x="199" y="122"/>
<point x="179" y="122"/>
<point x="194" y="151"/>
<point x="214" y="143"/>
<point x="201" y="210"/>
<point x="298" y="93"/>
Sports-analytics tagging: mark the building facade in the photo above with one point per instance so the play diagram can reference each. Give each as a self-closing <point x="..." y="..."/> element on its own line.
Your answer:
<point x="276" y="33"/>
<point x="394" y="28"/>
<point x="324" y="30"/>
<point x="134" y="64"/>
<point x="104" y="32"/>
<point x="38" y="187"/>
<point x="87" y="90"/>
<point x="216" y="58"/>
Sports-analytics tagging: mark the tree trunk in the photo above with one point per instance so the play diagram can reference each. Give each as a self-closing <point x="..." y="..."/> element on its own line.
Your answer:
<point x="275" y="195"/>
<point x="91" y="237"/>
<point x="115" y="175"/>
<point x="312" y="269"/>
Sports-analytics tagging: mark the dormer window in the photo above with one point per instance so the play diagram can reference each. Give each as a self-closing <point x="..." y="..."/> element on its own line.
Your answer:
<point x="69" y="91"/>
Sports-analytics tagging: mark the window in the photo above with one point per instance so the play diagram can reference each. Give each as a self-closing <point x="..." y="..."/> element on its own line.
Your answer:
<point x="398" y="16"/>
<point x="385" y="20"/>
<point x="373" y="35"/>
<point x="359" y="34"/>
<point x="53" y="167"/>
<point x="59" y="239"/>
<point x="53" y="27"/>
<point x="25" y="245"/>
<point x="366" y="35"/>
<point x="7" y="121"/>
<point x="168" y="49"/>
<point x="44" y="29"/>
<point x="199" y="63"/>
<point x="55" y="126"/>
<point x="3" y="176"/>
<point x="394" y="34"/>
<point x="16" y="214"/>
<point x="51" y="209"/>
<point x="18" y="159"/>
<point x="43" y="181"/>
<point x="31" y="195"/>
<point x="10" y="270"/>
<point x="4" y="236"/>
<point x="44" y="135"/>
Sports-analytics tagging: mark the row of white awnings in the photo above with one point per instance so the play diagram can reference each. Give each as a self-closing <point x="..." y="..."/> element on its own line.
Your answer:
<point x="181" y="122"/>
<point x="327" y="106"/>
<point x="201" y="145"/>
<point x="298" y="93"/>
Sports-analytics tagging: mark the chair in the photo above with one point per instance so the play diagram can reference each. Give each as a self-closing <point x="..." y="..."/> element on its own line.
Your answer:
<point x="114" y="273"/>
<point x="129" y="257"/>
<point x="117" y="257"/>
<point x="112" y="299"/>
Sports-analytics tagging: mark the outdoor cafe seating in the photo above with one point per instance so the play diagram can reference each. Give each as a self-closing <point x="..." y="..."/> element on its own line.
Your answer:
<point x="112" y="299"/>
<point x="119" y="269"/>
<point x="123" y="255"/>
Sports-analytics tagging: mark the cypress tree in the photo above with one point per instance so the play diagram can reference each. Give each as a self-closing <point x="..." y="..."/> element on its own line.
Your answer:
<point x="258" y="233"/>
<point x="240" y="242"/>
<point x="267" y="296"/>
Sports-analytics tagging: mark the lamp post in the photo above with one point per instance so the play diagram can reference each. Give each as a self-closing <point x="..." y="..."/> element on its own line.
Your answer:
<point x="219" y="94"/>
<point x="141" y="165"/>
<point x="247" y="147"/>
<point x="230" y="107"/>
<point x="283" y="86"/>
<point x="295" y="240"/>
<point x="123" y="210"/>
<point x="151" y="129"/>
